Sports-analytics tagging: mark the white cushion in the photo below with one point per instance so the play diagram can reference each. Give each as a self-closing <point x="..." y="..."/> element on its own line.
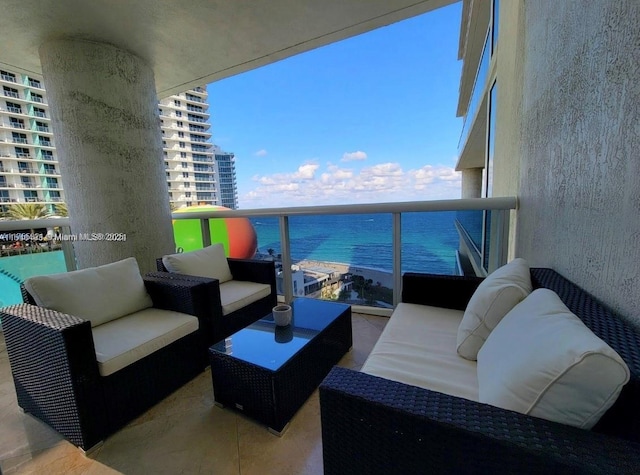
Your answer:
<point x="126" y="340"/>
<point x="236" y="294"/>
<point x="418" y="347"/>
<point x="542" y="360"/>
<point x="99" y="294"/>
<point x="208" y="262"/>
<point x="502" y="290"/>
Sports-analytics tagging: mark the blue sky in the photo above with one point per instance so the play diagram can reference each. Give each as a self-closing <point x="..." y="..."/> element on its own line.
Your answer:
<point x="368" y="119"/>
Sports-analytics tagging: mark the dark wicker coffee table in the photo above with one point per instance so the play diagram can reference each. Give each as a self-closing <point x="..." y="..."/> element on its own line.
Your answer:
<point x="268" y="372"/>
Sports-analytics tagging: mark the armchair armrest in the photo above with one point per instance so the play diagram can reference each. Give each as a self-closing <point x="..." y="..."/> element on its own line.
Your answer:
<point x="253" y="270"/>
<point x="198" y="296"/>
<point x="54" y="367"/>
<point x="373" y="425"/>
<point x="448" y="291"/>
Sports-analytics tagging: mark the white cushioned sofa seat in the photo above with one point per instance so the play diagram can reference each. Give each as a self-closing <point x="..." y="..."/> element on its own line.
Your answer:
<point x="236" y="294"/>
<point x="418" y="347"/>
<point x="123" y="341"/>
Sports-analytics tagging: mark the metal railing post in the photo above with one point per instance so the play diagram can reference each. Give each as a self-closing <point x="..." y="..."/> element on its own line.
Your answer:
<point x="67" y="250"/>
<point x="206" y="232"/>
<point x="286" y="259"/>
<point x="397" y="257"/>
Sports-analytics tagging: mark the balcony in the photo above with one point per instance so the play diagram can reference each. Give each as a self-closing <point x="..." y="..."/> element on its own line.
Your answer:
<point x="19" y="140"/>
<point x="42" y="128"/>
<point x="15" y="110"/>
<point x="35" y="84"/>
<point x="6" y="77"/>
<point x="15" y="95"/>
<point x="16" y="125"/>
<point x="35" y="98"/>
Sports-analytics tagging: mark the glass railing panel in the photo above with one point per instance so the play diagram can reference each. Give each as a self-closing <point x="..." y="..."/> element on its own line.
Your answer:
<point x="471" y="221"/>
<point x="346" y="258"/>
<point x="429" y="242"/>
<point x="476" y="94"/>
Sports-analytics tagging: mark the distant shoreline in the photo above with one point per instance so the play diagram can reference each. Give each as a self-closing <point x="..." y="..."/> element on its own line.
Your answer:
<point x="385" y="278"/>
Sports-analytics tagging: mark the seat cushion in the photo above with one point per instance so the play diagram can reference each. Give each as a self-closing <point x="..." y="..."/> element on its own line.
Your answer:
<point x="502" y="290"/>
<point x="99" y="294"/>
<point x="236" y="294"/>
<point x="542" y="360"/>
<point x="208" y="262"/>
<point x="120" y="342"/>
<point x="418" y="347"/>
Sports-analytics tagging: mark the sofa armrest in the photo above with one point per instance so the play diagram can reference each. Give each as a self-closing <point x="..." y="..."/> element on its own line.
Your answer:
<point x="198" y="296"/>
<point x="373" y="425"/>
<point x="448" y="291"/>
<point x="55" y="371"/>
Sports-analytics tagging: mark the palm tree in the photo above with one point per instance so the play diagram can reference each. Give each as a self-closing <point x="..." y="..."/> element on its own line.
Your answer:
<point x="27" y="211"/>
<point x="60" y="209"/>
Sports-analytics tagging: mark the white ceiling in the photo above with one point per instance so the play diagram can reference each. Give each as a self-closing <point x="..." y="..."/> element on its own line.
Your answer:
<point x="194" y="42"/>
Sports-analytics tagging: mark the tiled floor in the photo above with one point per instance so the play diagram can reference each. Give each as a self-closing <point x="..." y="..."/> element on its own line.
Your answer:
<point x="183" y="434"/>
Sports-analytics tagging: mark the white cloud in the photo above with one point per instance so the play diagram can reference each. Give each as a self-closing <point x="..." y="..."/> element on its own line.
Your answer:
<point x="261" y="153"/>
<point x="352" y="156"/>
<point x="384" y="182"/>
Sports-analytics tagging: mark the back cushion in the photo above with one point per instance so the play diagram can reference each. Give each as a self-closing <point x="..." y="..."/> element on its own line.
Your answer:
<point x="208" y="262"/>
<point x="502" y="290"/>
<point x="99" y="294"/>
<point x="542" y="360"/>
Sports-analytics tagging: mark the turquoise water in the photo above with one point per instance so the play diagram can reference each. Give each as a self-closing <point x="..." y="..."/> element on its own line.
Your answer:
<point x="15" y="269"/>
<point x="429" y="240"/>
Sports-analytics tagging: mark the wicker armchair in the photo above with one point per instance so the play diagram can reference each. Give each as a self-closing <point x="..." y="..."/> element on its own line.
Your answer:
<point x="221" y="326"/>
<point x="377" y="426"/>
<point x="56" y="374"/>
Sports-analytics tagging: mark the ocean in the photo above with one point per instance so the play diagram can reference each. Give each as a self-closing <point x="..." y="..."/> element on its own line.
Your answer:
<point x="429" y="240"/>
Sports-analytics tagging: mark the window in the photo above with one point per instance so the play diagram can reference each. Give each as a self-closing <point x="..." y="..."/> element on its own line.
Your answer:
<point x="49" y="169"/>
<point x="30" y="196"/>
<point x="54" y="195"/>
<point x="178" y="114"/>
<point x="185" y="174"/>
<point x="52" y="183"/>
<point x="7" y="76"/>
<point x="187" y="185"/>
<point x="180" y="124"/>
<point x="159" y="111"/>
<point x="184" y="164"/>
<point x="10" y="92"/>
<point x="182" y="144"/>
<point x="44" y="141"/>
<point x="47" y="154"/>
<point x="15" y="108"/>
<point x="36" y="97"/>
<point x="187" y="194"/>
<point x="183" y="154"/>
<point x="16" y="123"/>
<point x="22" y="152"/>
<point x="177" y="103"/>
<point x="35" y="83"/>
<point x="18" y="138"/>
<point x="39" y="112"/>
<point x="181" y="134"/>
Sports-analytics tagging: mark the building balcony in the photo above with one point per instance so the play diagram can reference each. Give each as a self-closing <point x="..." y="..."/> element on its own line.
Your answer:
<point x="6" y="77"/>
<point x="15" y="95"/>
<point x="40" y="114"/>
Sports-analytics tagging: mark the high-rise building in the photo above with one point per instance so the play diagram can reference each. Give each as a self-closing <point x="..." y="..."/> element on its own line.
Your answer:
<point x="29" y="171"/>
<point x="198" y="172"/>
<point x="226" y="164"/>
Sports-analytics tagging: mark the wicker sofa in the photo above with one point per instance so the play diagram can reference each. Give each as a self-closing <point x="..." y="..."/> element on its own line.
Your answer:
<point x="375" y="425"/>
<point x="59" y="379"/>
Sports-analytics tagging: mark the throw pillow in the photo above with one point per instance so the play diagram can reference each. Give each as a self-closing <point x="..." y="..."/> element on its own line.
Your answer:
<point x="542" y="360"/>
<point x="99" y="294"/>
<point x="208" y="262"/>
<point x="502" y="290"/>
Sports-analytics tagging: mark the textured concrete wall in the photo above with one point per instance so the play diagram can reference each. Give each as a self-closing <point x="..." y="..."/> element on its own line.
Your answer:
<point x="105" y="117"/>
<point x="580" y="145"/>
<point x="472" y="183"/>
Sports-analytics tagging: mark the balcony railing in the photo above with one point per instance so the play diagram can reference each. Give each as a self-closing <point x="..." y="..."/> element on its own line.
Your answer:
<point x="17" y="125"/>
<point x="15" y="110"/>
<point x="6" y="77"/>
<point x="401" y="243"/>
<point x="12" y="94"/>
<point x="40" y="114"/>
<point x="476" y="93"/>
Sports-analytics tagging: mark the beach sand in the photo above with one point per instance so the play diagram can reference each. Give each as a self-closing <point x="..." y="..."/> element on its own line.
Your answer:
<point x="376" y="275"/>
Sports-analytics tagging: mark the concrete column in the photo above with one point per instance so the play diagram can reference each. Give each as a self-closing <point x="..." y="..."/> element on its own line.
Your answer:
<point x="104" y="112"/>
<point x="472" y="183"/>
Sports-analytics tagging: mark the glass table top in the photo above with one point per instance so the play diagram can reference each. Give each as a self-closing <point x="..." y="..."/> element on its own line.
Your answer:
<point x="265" y="344"/>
